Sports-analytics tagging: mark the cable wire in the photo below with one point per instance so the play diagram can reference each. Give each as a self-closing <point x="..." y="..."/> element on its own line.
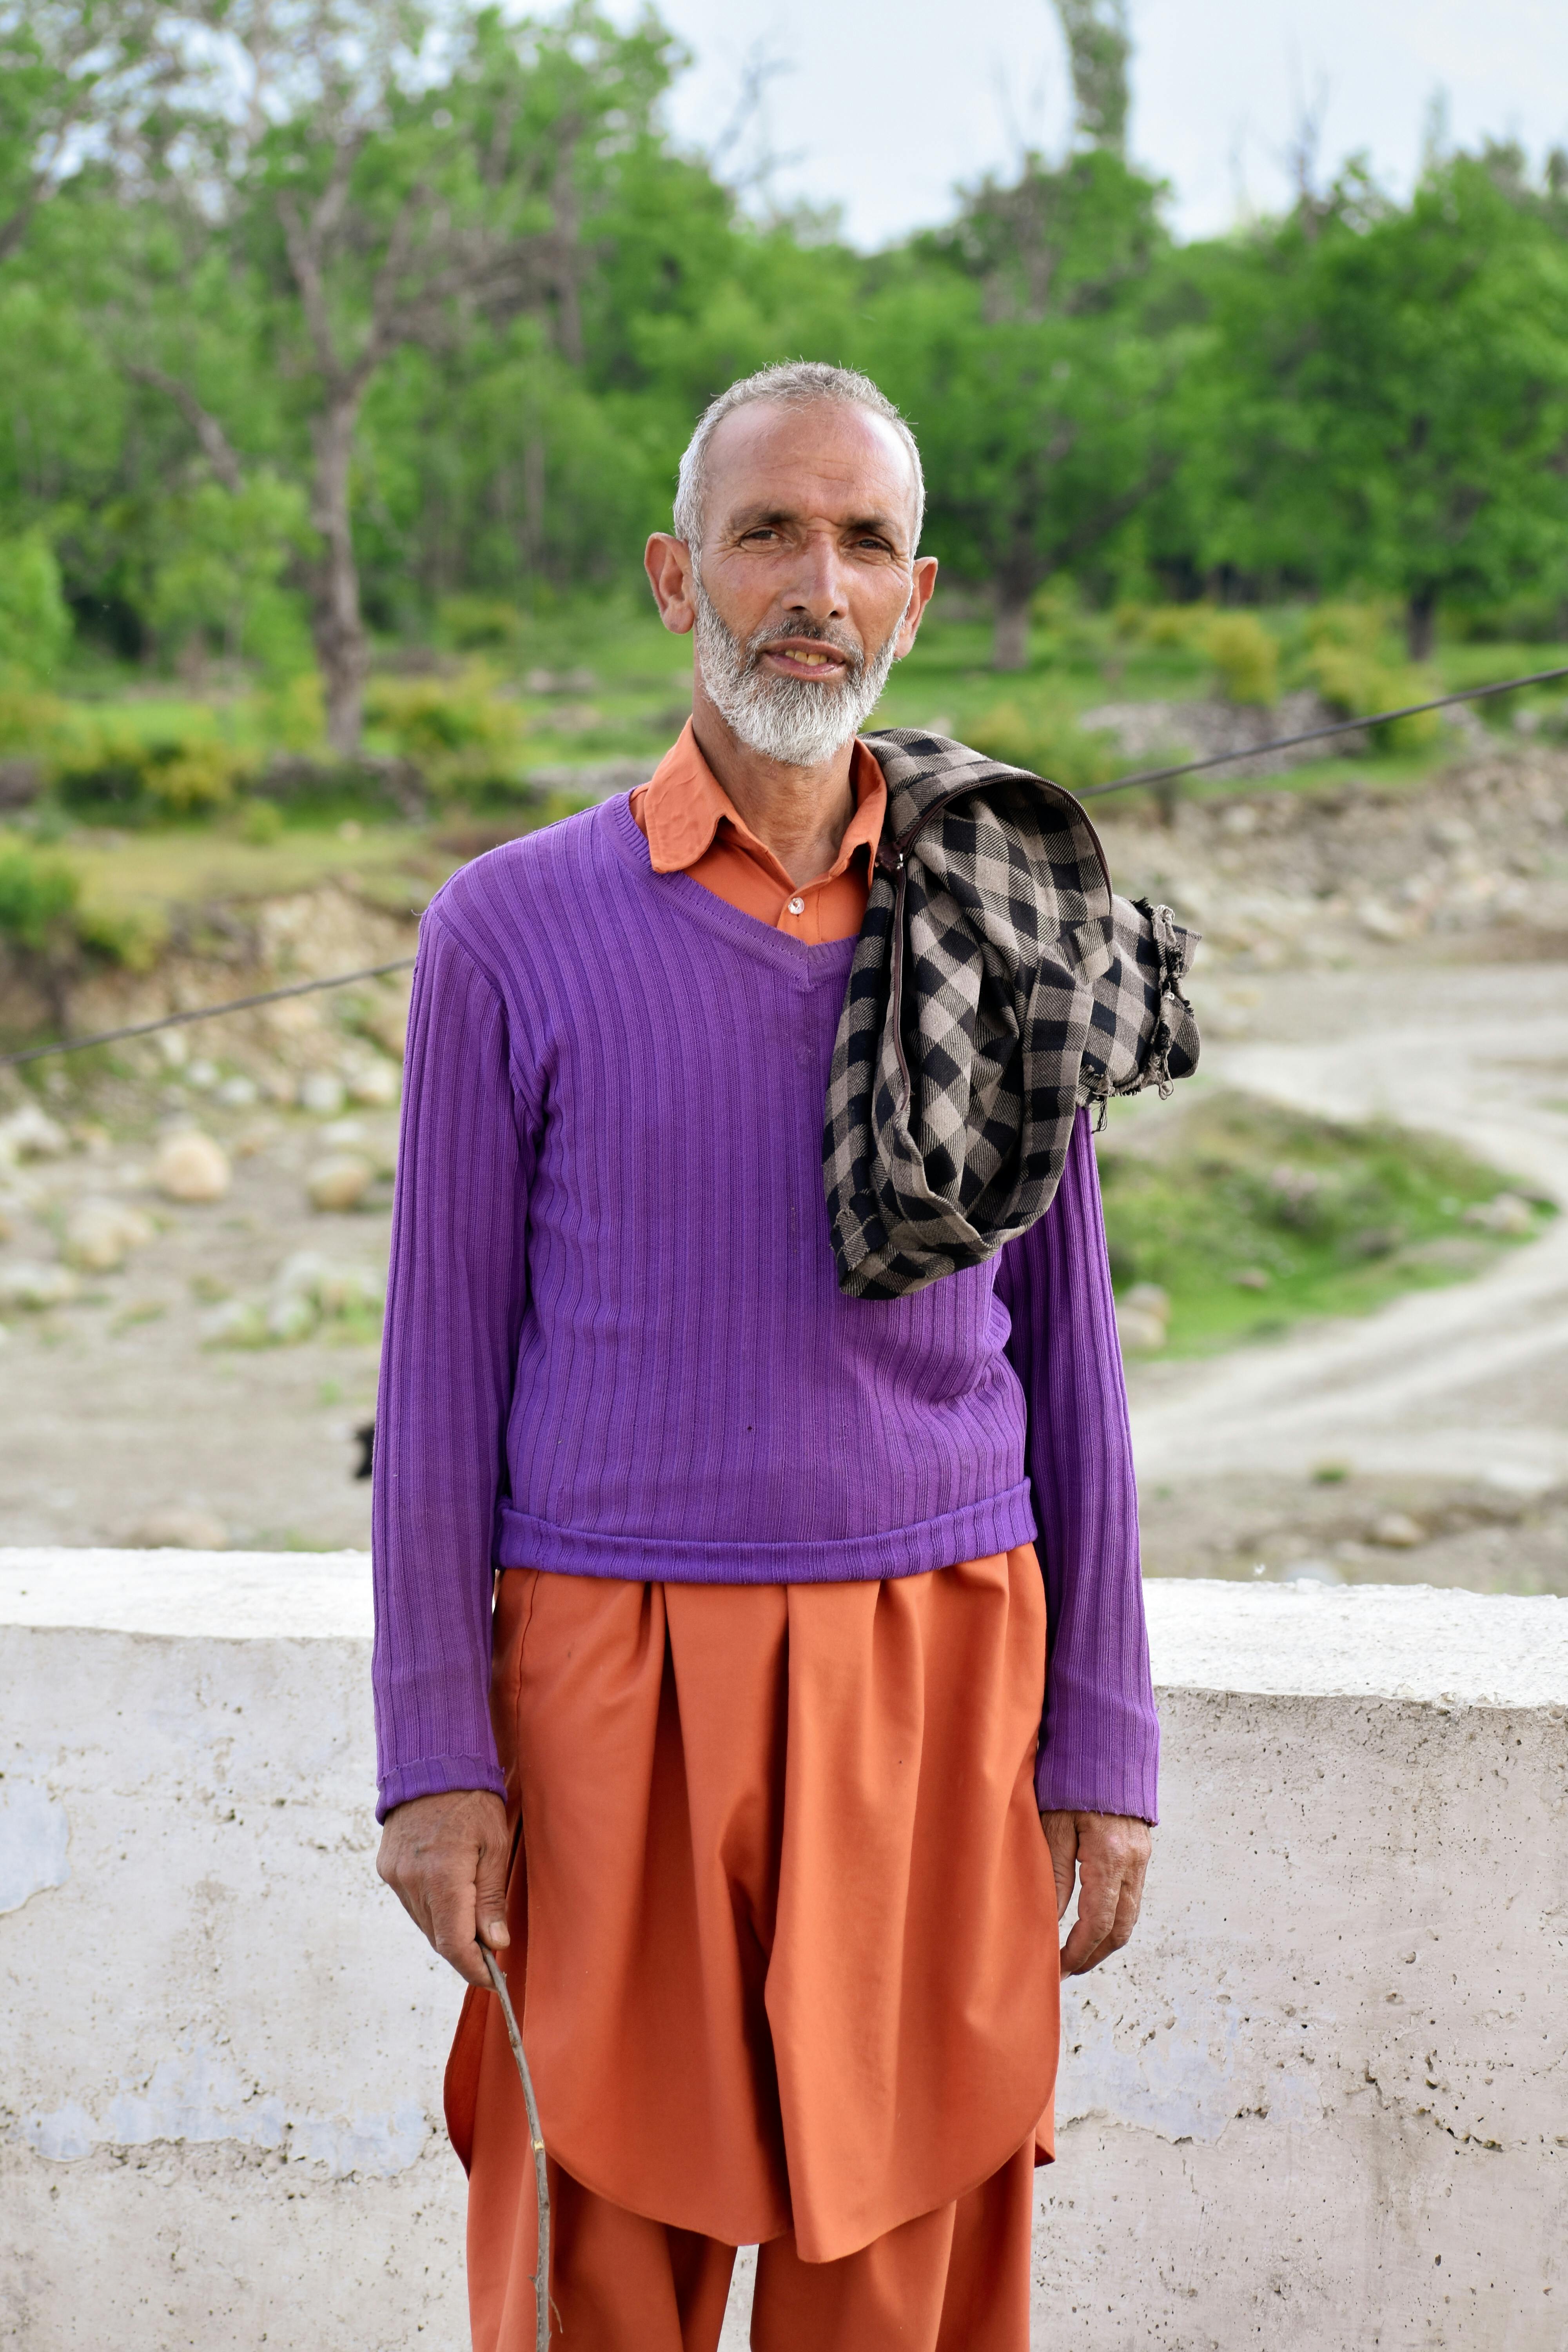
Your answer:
<point x="1089" y="793"/>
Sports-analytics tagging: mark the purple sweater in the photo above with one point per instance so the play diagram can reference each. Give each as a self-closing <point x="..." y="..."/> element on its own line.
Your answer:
<point x="615" y="1345"/>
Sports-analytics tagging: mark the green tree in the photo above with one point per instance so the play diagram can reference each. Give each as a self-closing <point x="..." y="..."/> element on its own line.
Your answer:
<point x="1389" y="398"/>
<point x="367" y="206"/>
<point x="1024" y="352"/>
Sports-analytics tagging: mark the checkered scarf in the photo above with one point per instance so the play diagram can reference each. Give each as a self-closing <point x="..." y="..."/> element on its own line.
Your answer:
<point x="996" y="985"/>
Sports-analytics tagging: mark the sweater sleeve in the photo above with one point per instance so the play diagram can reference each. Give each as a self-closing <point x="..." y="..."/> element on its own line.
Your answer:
<point x="455" y="1291"/>
<point x="1099" y="1739"/>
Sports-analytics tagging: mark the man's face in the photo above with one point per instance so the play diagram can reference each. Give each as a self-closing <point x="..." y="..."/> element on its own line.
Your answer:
<point x="808" y="587"/>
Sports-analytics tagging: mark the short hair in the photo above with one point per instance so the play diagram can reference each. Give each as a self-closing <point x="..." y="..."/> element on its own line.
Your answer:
<point x="792" y="383"/>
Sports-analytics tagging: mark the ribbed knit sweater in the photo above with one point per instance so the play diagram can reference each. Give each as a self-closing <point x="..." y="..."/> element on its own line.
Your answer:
<point x="615" y="1346"/>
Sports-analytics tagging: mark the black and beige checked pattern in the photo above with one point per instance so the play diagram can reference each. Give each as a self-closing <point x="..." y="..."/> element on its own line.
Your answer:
<point x="998" y="984"/>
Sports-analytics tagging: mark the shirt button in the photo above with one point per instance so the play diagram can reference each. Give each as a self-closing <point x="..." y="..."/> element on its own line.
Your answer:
<point x="798" y="905"/>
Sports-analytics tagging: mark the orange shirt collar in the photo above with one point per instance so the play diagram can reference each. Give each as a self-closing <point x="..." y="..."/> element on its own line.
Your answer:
<point x="684" y="805"/>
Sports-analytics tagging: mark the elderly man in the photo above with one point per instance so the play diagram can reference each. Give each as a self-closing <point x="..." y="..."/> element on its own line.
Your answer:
<point x="749" y="1323"/>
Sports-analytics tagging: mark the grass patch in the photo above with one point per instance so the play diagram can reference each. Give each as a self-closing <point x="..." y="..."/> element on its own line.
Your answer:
<point x="1253" y="1217"/>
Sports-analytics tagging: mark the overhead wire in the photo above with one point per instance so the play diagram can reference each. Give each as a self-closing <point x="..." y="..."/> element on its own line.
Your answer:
<point x="1140" y="777"/>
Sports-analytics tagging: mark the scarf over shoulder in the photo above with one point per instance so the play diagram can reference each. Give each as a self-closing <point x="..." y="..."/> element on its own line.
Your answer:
<point x="998" y="983"/>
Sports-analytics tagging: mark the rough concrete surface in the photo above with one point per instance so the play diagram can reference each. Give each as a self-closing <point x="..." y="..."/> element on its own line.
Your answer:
<point x="1320" y="2103"/>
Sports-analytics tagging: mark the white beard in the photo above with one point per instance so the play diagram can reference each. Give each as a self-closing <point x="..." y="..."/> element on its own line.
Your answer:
<point x="799" y="722"/>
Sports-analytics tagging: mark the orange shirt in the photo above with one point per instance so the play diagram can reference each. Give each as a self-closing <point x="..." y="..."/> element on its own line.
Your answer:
<point x="693" y="827"/>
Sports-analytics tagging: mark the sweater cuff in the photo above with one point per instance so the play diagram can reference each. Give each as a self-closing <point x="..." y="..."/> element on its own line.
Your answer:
<point x="435" y="1776"/>
<point x="1067" y="1780"/>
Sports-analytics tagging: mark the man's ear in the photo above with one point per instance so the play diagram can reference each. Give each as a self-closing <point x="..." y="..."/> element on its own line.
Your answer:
<point x="668" y="561"/>
<point x="924" y="582"/>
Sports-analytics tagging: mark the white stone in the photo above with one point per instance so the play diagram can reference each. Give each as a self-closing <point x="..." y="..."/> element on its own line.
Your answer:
<point x="27" y="1283"/>
<point x="100" y="1234"/>
<point x="322" y="1091"/>
<point x="1505" y="1214"/>
<point x="1148" y="1299"/>
<point x="291" y="1317"/>
<point x="1139" y="1332"/>
<point x="180" y="1529"/>
<point x="373" y="1082"/>
<point x="1397" y="1531"/>
<point x="236" y="1323"/>
<point x="191" y="1167"/>
<point x="237" y="1093"/>
<point x="29" y="1133"/>
<point x="340" y="1181"/>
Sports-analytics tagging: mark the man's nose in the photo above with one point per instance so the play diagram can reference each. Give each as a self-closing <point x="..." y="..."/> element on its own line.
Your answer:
<point x="819" y="584"/>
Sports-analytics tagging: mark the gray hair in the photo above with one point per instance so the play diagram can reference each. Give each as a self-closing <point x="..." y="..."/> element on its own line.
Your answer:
<point x="794" y="383"/>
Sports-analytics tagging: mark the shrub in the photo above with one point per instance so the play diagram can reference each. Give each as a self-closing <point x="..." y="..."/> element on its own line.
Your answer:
<point x="35" y="620"/>
<point x="1176" y="628"/>
<point x="460" y="732"/>
<point x="1246" y="656"/>
<point x="1048" y="744"/>
<point x="477" y="624"/>
<point x="108" y="770"/>
<point x="1351" y="681"/>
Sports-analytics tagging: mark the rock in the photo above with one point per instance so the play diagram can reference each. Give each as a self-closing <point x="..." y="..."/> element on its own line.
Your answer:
<point x="179" y="1530"/>
<point x="1396" y="1531"/>
<point x="100" y="1234"/>
<point x="291" y="1317"/>
<point x="340" y="1181"/>
<point x="1139" y="1333"/>
<point x="29" y="1133"/>
<point x="333" y="1288"/>
<point x="237" y="1093"/>
<point x="235" y="1324"/>
<point x="322" y="1091"/>
<point x="1312" y="1571"/>
<point x="345" y="1135"/>
<point x="191" y="1167"/>
<point x="30" y="1283"/>
<point x="1452" y="832"/>
<point x="1380" y="921"/>
<point x="1506" y="1213"/>
<point x="203" y="1076"/>
<point x="1377" y="1241"/>
<point x="1148" y="1299"/>
<point x="1252" y="1277"/>
<point x="373" y="1083"/>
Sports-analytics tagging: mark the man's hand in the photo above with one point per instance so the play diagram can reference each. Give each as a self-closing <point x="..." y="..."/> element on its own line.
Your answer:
<point x="1111" y="1852"/>
<point x="445" y="1858"/>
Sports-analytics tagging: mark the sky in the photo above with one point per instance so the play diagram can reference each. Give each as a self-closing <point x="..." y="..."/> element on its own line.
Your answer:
<point x="884" y="106"/>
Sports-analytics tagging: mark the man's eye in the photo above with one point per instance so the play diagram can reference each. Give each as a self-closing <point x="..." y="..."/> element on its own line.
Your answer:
<point x="764" y="530"/>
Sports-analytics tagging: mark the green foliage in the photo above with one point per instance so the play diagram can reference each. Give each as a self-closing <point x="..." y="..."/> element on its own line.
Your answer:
<point x="1047" y="744"/>
<point x="1351" y="680"/>
<point x="39" y="897"/>
<point x="1246" y="656"/>
<point x="221" y="581"/>
<point x="107" y="771"/>
<point x="35" y="625"/>
<point x="1259" y="1215"/>
<point x="461" y="734"/>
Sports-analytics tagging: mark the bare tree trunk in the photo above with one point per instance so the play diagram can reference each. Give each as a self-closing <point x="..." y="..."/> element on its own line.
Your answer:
<point x="1421" y="623"/>
<point x="1010" y="640"/>
<point x="336" y="625"/>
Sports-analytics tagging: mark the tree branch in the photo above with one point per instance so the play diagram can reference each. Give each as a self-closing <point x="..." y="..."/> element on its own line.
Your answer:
<point x="215" y="444"/>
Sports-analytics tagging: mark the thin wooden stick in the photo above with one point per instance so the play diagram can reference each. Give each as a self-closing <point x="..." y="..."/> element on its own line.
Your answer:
<point x="541" y="2177"/>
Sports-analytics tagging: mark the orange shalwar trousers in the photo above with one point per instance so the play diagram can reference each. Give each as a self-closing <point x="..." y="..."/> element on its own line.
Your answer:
<point x="784" y="1923"/>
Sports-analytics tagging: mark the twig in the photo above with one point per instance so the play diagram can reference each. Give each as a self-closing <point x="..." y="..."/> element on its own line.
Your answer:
<point x="541" y="2176"/>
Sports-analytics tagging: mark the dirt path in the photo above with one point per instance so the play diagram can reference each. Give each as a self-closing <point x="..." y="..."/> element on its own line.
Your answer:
<point x="1449" y="1407"/>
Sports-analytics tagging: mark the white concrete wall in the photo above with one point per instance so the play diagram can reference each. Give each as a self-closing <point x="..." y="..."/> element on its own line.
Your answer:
<point x="1321" y="2103"/>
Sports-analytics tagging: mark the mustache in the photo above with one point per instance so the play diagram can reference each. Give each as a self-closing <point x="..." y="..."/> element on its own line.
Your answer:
<point x="818" y="633"/>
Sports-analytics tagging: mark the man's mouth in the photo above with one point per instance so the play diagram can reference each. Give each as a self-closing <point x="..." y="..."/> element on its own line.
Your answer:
<point x="800" y="658"/>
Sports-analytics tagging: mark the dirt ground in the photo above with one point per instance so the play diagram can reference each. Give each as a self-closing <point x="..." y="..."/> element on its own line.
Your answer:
<point x="1406" y="958"/>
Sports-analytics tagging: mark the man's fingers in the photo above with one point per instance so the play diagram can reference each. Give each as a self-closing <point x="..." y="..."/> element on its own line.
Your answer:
<point x="489" y="1899"/>
<point x="1061" y="1838"/>
<point x="445" y="1857"/>
<point x="1112" y="1861"/>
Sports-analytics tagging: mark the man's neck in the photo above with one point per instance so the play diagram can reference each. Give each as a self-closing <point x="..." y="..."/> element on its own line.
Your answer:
<point x="800" y="813"/>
